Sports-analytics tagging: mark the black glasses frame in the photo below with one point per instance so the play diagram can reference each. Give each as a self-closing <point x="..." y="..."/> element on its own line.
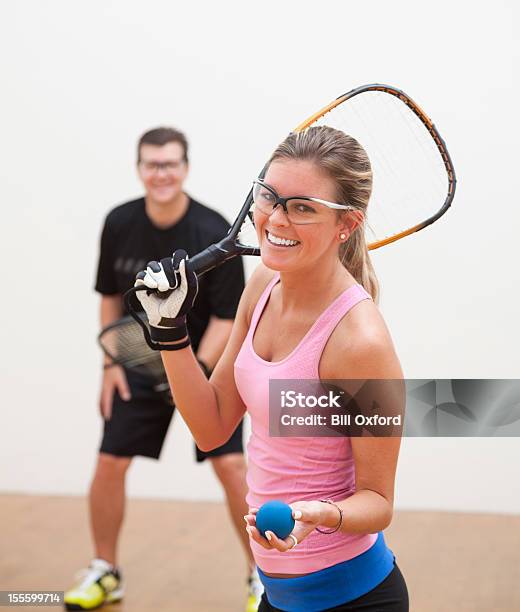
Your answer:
<point x="279" y="201"/>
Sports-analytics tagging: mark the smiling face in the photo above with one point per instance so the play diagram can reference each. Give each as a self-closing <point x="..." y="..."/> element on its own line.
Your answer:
<point x="286" y="246"/>
<point x="162" y="170"/>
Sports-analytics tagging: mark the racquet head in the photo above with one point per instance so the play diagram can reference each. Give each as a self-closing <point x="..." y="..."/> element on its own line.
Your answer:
<point x="413" y="178"/>
<point x="413" y="175"/>
<point x="122" y="341"/>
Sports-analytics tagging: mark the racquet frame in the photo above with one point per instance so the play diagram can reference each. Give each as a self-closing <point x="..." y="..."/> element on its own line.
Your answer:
<point x="230" y="246"/>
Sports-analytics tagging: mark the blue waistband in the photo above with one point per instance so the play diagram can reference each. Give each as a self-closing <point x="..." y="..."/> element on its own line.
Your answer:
<point x="331" y="586"/>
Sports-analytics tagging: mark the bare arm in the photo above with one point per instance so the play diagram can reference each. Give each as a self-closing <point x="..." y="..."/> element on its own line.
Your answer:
<point x="214" y="341"/>
<point x="371" y="356"/>
<point x="111" y="309"/>
<point x="212" y="409"/>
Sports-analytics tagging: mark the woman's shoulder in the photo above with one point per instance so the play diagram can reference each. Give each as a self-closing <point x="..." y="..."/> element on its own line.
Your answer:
<point x="361" y="346"/>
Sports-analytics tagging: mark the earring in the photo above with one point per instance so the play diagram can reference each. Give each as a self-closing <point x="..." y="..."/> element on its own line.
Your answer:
<point x="342" y="236"/>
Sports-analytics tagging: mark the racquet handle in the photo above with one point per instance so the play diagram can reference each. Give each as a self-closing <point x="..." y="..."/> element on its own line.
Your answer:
<point x="211" y="257"/>
<point x="200" y="263"/>
<point x="214" y="255"/>
<point x="228" y="247"/>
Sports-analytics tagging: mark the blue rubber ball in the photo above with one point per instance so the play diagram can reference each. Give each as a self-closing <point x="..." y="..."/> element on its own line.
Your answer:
<point x="275" y="516"/>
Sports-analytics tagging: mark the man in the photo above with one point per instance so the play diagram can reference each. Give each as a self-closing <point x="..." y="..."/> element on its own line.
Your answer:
<point x="136" y="417"/>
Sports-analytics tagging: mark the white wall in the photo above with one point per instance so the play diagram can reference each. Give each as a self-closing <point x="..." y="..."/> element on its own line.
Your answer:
<point x="81" y="81"/>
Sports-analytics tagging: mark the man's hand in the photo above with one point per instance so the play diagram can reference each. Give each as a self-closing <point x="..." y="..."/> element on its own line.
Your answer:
<point x="114" y="379"/>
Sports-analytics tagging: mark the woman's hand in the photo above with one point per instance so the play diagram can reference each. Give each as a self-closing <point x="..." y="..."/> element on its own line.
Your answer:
<point x="307" y="516"/>
<point x="167" y="314"/>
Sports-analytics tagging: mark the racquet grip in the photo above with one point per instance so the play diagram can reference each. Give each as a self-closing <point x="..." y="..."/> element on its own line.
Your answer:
<point x="207" y="259"/>
<point x="213" y="256"/>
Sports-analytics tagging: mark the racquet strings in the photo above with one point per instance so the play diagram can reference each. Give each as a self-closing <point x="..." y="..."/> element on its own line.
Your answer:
<point x="247" y="235"/>
<point x="123" y="343"/>
<point x="410" y="180"/>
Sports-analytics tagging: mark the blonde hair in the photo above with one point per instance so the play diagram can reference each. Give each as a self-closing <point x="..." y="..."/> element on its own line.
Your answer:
<point x="343" y="159"/>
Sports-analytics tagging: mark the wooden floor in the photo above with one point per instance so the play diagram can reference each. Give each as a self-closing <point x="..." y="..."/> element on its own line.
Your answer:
<point x="183" y="556"/>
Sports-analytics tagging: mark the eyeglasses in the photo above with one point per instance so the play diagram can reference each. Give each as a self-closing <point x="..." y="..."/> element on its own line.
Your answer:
<point x="170" y="167"/>
<point x="300" y="210"/>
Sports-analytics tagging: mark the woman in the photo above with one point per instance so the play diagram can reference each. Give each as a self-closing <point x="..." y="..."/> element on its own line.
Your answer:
<point x="307" y="312"/>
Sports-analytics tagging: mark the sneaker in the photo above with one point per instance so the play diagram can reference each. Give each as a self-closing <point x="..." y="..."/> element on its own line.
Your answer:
<point x="254" y="592"/>
<point x="100" y="583"/>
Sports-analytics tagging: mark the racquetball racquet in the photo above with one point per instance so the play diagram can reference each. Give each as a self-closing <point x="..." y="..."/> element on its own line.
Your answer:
<point x="413" y="175"/>
<point x="414" y="178"/>
<point x="122" y="342"/>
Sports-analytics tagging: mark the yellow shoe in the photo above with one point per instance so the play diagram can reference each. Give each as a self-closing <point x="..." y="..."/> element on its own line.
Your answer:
<point x="254" y="592"/>
<point x="99" y="584"/>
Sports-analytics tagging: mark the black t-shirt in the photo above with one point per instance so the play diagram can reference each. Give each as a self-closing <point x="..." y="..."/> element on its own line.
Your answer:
<point x="130" y="240"/>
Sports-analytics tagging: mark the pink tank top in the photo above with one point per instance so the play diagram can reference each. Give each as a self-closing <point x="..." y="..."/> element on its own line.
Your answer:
<point x="296" y="469"/>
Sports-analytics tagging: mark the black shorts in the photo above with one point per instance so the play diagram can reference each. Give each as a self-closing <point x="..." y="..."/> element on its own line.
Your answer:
<point x="139" y="426"/>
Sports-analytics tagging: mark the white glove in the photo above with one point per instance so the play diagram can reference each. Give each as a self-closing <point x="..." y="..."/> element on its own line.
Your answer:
<point x="167" y="313"/>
